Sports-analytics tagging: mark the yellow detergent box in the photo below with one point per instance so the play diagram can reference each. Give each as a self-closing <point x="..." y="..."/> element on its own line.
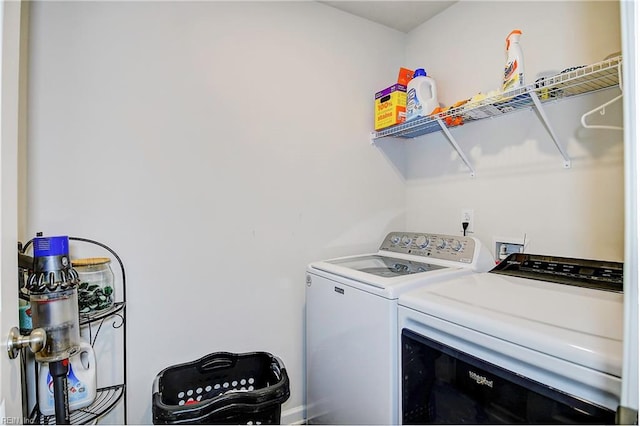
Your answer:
<point x="390" y="106"/>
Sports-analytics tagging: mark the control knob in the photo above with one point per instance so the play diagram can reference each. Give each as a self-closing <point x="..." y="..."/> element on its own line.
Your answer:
<point x="456" y="245"/>
<point x="442" y="243"/>
<point x="395" y="239"/>
<point x="422" y="242"/>
<point x="405" y="240"/>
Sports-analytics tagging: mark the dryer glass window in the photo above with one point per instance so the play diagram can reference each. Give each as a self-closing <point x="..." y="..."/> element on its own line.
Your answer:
<point x="441" y="385"/>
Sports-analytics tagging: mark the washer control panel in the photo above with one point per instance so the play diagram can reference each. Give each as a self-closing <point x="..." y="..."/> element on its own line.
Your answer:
<point x="439" y="246"/>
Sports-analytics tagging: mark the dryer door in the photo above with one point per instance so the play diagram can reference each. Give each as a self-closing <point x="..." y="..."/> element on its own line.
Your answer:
<point x="441" y="385"/>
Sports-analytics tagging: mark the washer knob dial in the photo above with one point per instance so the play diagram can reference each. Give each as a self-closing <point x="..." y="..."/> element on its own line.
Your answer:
<point x="456" y="245"/>
<point x="442" y="243"/>
<point x="421" y="241"/>
<point x="405" y="240"/>
<point x="395" y="239"/>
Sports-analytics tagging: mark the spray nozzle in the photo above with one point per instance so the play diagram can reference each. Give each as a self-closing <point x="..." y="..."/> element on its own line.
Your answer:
<point x="513" y="35"/>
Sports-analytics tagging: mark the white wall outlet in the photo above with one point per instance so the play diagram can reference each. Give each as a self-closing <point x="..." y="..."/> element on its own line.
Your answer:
<point x="466" y="215"/>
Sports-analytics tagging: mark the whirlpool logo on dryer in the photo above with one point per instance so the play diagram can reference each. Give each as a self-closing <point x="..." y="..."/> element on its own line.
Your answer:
<point x="481" y="380"/>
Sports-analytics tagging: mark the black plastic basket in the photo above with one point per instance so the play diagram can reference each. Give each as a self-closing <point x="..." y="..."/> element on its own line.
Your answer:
<point x="222" y="388"/>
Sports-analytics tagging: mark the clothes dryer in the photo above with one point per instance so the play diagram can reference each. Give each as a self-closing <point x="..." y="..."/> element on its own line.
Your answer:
<point x="537" y="340"/>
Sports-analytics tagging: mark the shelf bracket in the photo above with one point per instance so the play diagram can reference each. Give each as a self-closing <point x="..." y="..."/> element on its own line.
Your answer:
<point x="455" y="146"/>
<point x="543" y="117"/>
<point x="372" y="138"/>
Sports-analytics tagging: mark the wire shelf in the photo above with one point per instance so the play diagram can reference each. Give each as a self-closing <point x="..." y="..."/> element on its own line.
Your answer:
<point x="96" y="316"/>
<point x="106" y="399"/>
<point x="576" y="81"/>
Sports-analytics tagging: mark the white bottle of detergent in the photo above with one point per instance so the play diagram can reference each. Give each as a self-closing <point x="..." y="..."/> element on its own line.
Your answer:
<point x="422" y="95"/>
<point x="81" y="381"/>
<point x="514" y="68"/>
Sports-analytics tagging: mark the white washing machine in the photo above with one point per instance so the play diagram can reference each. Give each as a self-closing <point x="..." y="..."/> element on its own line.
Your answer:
<point x="351" y="321"/>
<point x="537" y="340"/>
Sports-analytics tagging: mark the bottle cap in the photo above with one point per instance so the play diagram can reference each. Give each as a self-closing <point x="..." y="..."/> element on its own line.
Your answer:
<point x="419" y="72"/>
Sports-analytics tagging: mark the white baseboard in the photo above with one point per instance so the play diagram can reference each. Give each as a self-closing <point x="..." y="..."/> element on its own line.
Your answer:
<point x="293" y="416"/>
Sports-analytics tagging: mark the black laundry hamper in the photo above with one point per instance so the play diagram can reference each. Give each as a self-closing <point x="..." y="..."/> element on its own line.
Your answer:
<point x="222" y="388"/>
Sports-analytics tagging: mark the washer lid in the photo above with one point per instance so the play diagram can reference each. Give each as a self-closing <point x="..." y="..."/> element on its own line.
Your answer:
<point x="386" y="276"/>
<point x="384" y="266"/>
<point x="580" y="325"/>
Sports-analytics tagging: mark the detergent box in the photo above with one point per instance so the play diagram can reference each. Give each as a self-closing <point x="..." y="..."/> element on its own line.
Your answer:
<point x="390" y="106"/>
<point x="391" y="103"/>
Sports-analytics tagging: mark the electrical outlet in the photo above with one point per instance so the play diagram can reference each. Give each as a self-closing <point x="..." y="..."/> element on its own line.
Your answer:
<point x="466" y="215"/>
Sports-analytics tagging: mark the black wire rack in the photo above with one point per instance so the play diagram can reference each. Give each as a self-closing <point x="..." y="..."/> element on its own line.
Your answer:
<point x="106" y="397"/>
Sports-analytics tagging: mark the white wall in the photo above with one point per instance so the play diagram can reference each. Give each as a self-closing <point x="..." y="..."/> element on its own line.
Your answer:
<point x="218" y="147"/>
<point x="520" y="186"/>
